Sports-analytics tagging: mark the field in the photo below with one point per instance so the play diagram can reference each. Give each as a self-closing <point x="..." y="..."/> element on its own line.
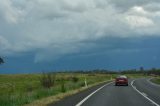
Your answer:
<point x="20" y="89"/>
<point x="156" y="80"/>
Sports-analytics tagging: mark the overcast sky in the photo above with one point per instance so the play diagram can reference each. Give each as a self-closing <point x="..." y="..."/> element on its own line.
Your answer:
<point x="38" y="35"/>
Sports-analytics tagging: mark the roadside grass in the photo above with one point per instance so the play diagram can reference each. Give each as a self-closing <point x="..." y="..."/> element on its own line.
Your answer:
<point x="136" y="75"/>
<point x="156" y="80"/>
<point x="52" y="99"/>
<point x="21" y="89"/>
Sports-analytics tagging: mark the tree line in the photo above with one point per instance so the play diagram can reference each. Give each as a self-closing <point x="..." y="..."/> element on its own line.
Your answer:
<point x="152" y="71"/>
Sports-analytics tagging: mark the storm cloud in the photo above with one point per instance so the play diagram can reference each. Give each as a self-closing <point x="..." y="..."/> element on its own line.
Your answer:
<point x="52" y="29"/>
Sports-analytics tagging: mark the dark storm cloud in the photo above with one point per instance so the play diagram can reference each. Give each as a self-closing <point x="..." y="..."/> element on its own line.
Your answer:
<point x="52" y="29"/>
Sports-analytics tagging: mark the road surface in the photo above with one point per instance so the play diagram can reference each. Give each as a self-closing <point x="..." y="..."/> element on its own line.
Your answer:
<point x="140" y="92"/>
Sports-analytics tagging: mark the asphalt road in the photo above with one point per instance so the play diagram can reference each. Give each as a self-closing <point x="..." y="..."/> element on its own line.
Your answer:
<point x="140" y="92"/>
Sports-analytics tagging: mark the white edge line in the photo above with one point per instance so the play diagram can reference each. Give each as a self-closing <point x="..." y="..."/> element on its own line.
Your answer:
<point x="149" y="80"/>
<point x="143" y="94"/>
<point x="81" y="102"/>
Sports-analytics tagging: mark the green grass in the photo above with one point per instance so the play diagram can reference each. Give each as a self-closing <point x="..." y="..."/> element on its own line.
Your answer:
<point x="17" y="90"/>
<point x="136" y="75"/>
<point x="156" y="80"/>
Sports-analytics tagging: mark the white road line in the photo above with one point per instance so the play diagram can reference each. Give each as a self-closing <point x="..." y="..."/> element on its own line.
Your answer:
<point x="144" y="95"/>
<point x="81" y="102"/>
<point x="149" y="80"/>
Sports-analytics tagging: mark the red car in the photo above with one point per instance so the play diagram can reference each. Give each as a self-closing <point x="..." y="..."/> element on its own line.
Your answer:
<point x="121" y="80"/>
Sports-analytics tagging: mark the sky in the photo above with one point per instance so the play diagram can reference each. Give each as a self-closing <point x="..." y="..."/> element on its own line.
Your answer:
<point x="45" y="35"/>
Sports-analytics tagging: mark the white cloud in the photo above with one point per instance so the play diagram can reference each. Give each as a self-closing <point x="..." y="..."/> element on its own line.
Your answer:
<point x="54" y="28"/>
<point x="4" y="44"/>
<point x="8" y="12"/>
<point x="138" y="17"/>
<point x="139" y="9"/>
<point x="138" y="21"/>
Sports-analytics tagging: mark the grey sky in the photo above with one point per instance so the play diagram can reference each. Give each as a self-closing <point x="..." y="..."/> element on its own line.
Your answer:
<point x="54" y="28"/>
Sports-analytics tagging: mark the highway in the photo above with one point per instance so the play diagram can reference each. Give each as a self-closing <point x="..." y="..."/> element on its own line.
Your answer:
<point x="140" y="92"/>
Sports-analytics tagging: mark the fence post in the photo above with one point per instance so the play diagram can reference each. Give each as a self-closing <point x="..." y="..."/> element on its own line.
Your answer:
<point x="85" y="81"/>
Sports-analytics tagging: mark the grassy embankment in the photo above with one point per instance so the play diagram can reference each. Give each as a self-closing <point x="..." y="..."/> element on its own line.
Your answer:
<point x="17" y="90"/>
<point x="156" y="80"/>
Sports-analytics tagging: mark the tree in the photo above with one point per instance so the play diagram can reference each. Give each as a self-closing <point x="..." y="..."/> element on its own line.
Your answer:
<point x="141" y="69"/>
<point x="1" y="60"/>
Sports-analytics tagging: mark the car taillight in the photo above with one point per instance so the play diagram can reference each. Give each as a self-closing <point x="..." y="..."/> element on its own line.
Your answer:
<point x="121" y="79"/>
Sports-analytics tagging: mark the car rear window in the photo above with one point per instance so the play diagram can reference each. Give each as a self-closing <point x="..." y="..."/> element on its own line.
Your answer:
<point x="122" y="76"/>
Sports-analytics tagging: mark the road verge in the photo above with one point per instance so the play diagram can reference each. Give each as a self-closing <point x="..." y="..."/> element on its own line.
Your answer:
<point x="56" y="98"/>
<point x="155" y="81"/>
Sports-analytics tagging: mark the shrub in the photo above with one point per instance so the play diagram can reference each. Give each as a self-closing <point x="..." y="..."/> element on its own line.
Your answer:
<point x="75" y="79"/>
<point x="47" y="80"/>
<point x="63" y="88"/>
<point x="82" y="84"/>
<point x="29" y="87"/>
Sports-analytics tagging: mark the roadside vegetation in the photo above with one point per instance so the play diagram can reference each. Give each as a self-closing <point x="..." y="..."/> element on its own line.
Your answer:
<point x="21" y="89"/>
<point x="17" y="90"/>
<point x="156" y="80"/>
